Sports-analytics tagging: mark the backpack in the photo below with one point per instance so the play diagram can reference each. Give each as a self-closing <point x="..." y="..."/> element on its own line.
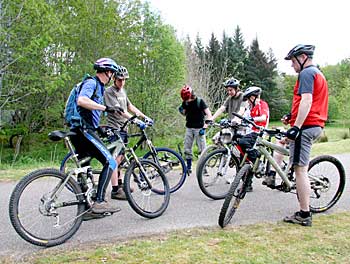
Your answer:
<point x="71" y="113"/>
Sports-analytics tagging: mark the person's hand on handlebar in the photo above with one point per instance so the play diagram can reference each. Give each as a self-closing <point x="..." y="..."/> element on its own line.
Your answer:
<point x="148" y="121"/>
<point x="139" y="123"/>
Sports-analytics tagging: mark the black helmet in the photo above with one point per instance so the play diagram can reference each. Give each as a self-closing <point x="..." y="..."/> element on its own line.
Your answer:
<point x="253" y="90"/>
<point x="301" y="49"/>
<point x="231" y="83"/>
<point x="121" y="73"/>
<point x="106" y="64"/>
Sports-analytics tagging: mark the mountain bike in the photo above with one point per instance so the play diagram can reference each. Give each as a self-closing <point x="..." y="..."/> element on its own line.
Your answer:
<point x="219" y="164"/>
<point x="46" y="207"/>
<point x="169" y="160"/>
<point x="326" y="175"/>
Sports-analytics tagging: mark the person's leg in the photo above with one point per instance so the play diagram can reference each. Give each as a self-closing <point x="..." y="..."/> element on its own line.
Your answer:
<point x="201" y="142"/>
<point x="117" y="178"/>
<point x="189" y="138"/>
<point x="300" y="155"/>
<point x="101" y="153"/>
<point x="303" y="187"/>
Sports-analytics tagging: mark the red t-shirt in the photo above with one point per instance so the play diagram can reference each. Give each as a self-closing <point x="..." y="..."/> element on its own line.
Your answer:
<point x="311" y="80"/>
<point x="262" y="108"/>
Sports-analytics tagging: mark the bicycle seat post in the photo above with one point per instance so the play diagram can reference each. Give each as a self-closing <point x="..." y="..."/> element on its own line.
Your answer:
<point x="69" y="145"/>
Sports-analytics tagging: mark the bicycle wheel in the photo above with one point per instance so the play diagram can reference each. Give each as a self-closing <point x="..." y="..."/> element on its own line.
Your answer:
<point x="172" y="164"/>
<point x="39" y="214"/>
<point x="327" y="179"/>
<point x="234" y="196"/>
<point x="68" y="164"/>
<point x="216" y="173"/>
<point x="205" y="153"/>
<point x="147" y="193"/>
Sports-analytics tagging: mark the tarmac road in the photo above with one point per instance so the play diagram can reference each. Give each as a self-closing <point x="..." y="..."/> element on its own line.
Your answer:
<point x="188" y="208"/>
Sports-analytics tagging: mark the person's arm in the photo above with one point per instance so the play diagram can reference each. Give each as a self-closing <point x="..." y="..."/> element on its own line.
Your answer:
<point x="218" y="112"/>
<point x="304" y="109"/>
<point x="135" y="110"/>
<point x="87" y="103"/>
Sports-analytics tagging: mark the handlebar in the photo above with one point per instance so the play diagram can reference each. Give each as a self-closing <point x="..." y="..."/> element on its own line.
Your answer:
<point x="271" y="132"/>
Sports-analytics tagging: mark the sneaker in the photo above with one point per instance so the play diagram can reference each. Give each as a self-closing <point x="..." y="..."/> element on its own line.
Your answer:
<point x="118" y="195"/>
<point x="297" y="219"/>
<point x="269" y="181"/>
<point x="90" y="216"/>
<point x="104" y="207"/>
<point x="189" y="171"/>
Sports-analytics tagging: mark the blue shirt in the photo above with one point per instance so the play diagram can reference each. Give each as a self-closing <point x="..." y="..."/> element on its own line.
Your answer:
<point x="91" y="118"/>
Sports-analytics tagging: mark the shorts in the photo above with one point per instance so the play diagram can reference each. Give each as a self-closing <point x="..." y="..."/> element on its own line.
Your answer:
<point x="300" y="148"/>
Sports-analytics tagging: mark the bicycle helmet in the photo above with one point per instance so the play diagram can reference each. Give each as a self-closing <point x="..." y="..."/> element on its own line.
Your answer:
<point x="301" y="49"/>
<point x="121" y="73"/>
<point x="231" y="83"/>
<point x="253" y="90"/>
<point x="105" y="64"/>
<point x="186" y="92"/>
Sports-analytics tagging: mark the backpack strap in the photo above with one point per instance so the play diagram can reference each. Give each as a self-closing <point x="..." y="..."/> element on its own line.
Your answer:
<point x="81" y="85"/>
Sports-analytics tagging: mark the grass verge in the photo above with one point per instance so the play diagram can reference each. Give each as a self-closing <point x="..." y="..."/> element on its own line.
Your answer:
<point x="327" y="241"/>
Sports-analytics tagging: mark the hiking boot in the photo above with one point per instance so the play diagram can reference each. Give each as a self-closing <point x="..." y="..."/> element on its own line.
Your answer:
<point x="297" y="219"/>
<point x="90" y="216"/>
<point x="104" y="207"/>
<point x="118" y="195"/>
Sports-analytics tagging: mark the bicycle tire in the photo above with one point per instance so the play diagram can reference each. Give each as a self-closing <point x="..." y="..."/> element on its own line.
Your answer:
<point x="173" y="166"/>
<point x="233" y="197"/>
<point x="205" y="152"/>
<point x="145" y="201"/>
<point x="30" y="196"/>
<point x="211" y="181"/>
<point x="327" y="179"/>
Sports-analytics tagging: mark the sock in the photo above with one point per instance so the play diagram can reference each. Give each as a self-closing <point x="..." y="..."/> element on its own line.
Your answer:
<point x="115" y="188"/>
<point x="120" y="183"/>
<point x="305" y="214"/>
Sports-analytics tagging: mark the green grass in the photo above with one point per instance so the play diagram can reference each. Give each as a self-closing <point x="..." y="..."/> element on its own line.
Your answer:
<point x="327" y="241"/>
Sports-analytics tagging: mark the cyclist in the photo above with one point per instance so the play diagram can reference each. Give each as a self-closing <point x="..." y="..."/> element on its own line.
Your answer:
<point x="234" y="101"/>
<point x="87" y="142"/>
<point x="258" y="111"/>
<point x="195" y="110"/>
<point x="308" y="116"/>
<point x="115" y="96"/>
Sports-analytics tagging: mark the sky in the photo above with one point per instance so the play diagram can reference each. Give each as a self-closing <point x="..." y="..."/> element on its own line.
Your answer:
<point x="277" y="24"/>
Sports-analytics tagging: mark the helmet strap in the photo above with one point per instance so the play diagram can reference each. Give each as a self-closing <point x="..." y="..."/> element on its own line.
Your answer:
<point x="301" y="64"/>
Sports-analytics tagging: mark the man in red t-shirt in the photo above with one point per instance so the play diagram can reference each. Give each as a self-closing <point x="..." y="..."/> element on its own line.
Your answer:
<point x="259" y="113"/>
<point x="307" y="119"/>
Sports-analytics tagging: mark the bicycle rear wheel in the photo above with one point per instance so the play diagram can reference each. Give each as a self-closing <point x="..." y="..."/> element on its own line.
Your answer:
<point x="213" y="179"/>
<point x="234" y="196"/>
<point x="327" y="180"/>
<point x="39" y="214"/>
<point x="172" y="164"/>
<point x="147" y="193"/>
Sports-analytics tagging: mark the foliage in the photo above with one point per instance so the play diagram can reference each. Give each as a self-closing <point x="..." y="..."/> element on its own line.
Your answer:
<point x="50" y="45"/>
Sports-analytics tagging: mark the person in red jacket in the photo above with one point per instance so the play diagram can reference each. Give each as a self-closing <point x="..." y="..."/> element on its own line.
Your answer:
<point x="308" y="116"/>
<point x="258" y="111"/>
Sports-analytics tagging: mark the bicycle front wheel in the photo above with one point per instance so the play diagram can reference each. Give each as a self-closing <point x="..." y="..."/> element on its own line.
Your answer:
<point x="216" y="172"/>
<point x="146" y="188"/>
<point x="172" y="164"/>
<point x="327" y="180"/>
<point x="234" y="196"/>
<point x="43" y="211"/>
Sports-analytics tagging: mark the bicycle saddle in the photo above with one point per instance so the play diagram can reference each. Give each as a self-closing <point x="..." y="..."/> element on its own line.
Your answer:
<point x="58" y="135"/>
